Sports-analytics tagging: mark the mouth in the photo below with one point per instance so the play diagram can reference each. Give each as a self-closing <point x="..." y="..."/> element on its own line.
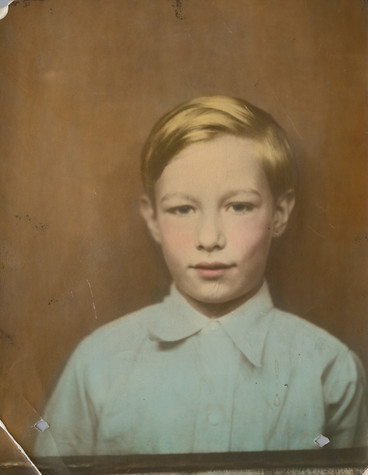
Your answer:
<point x="212" y="270"/>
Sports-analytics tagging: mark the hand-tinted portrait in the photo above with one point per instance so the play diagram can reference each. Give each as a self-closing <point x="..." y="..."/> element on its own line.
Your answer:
<point x="184" y="253"/>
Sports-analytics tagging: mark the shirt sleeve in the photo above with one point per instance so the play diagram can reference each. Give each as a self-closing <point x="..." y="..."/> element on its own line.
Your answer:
<point x="345" y="391"/>
<point x="70" y="415"/>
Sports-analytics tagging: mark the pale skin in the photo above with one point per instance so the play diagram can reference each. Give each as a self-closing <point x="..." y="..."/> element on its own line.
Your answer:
<point x="215" y="217"/>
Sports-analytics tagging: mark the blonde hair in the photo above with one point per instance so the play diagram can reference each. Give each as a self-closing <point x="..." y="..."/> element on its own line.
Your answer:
<point x="204" y="118"/>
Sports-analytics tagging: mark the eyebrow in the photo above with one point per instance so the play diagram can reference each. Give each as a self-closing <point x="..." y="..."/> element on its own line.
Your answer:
<point x="225" y="197"/>
<point x="179" y="195"/>
<point x="233" y="193"/>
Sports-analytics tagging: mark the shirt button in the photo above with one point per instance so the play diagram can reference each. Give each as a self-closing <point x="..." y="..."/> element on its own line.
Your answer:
<point x="214" y="418"/>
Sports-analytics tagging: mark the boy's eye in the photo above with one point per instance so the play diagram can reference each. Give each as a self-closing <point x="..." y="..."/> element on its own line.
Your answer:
<point x="181" y="210"/>
<point x="241" y="208"/>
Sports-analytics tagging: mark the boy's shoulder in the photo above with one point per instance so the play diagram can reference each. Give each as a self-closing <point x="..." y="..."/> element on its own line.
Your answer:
<point x="302" y="336"/>
<point x="124" y="334"/>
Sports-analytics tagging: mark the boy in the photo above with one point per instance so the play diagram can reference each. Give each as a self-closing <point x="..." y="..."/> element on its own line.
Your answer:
<point x="214" y="367"/>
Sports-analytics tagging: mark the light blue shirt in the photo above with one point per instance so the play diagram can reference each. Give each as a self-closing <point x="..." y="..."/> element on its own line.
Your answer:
<point x="167" y="379"/>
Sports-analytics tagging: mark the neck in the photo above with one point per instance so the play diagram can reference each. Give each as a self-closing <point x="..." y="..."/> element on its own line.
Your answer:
<point x="219" y="309"/>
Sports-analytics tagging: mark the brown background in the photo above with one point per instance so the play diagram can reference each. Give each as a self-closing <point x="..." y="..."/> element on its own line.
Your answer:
<point x="81" y="84"/>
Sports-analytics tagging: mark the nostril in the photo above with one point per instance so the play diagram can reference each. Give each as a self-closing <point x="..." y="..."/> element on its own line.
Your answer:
<point x="218" y="242"/>
<point x="210" y="234"/>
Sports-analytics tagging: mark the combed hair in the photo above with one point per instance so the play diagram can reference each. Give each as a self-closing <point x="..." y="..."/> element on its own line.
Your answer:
<point x="204" y="118"/>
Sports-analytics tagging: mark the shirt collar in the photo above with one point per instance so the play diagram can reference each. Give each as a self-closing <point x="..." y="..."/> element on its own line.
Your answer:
<point x="247" y="325"/>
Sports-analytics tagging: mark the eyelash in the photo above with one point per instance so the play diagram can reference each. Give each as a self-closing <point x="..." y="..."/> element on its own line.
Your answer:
<point x="184" y="210"/>
<point x="246" y="207"/>
<point x="177" y="210"/>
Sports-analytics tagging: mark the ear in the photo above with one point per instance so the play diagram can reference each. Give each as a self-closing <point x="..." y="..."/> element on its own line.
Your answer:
<point x="148" y="213"/>
<point x="283" y="208"/>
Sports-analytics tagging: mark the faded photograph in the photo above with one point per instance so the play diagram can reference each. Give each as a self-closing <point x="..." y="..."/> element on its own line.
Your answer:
<point x="214" y="367"/>
<point x="184" y="260"/>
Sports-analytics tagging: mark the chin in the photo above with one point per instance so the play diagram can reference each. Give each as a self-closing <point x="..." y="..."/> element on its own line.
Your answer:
<point x="213" y="300"/>
<point x="215" y="295"/>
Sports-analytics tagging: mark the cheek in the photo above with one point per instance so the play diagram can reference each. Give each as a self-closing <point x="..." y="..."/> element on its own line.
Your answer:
<point x="175" y="239"/>
<point x="250" y="237"/>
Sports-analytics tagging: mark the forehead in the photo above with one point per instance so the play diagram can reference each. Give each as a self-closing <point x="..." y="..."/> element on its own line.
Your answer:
<point x="216" y="165"/>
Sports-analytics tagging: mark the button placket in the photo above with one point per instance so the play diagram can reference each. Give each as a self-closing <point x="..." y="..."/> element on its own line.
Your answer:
<point x="219" y="362"/>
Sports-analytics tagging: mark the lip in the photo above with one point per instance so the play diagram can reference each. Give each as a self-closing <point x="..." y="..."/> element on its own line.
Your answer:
<point x="212" y="270"/>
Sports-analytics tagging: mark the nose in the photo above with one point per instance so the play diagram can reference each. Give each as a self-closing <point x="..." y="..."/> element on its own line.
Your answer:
<point x="210" y="234"/>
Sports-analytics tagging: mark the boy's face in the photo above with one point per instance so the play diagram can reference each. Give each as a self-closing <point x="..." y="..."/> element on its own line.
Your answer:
<point x="215" y="218"/>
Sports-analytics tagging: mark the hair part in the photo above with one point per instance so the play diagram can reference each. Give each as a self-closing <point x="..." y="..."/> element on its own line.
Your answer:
<point x="204" y="118"/>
